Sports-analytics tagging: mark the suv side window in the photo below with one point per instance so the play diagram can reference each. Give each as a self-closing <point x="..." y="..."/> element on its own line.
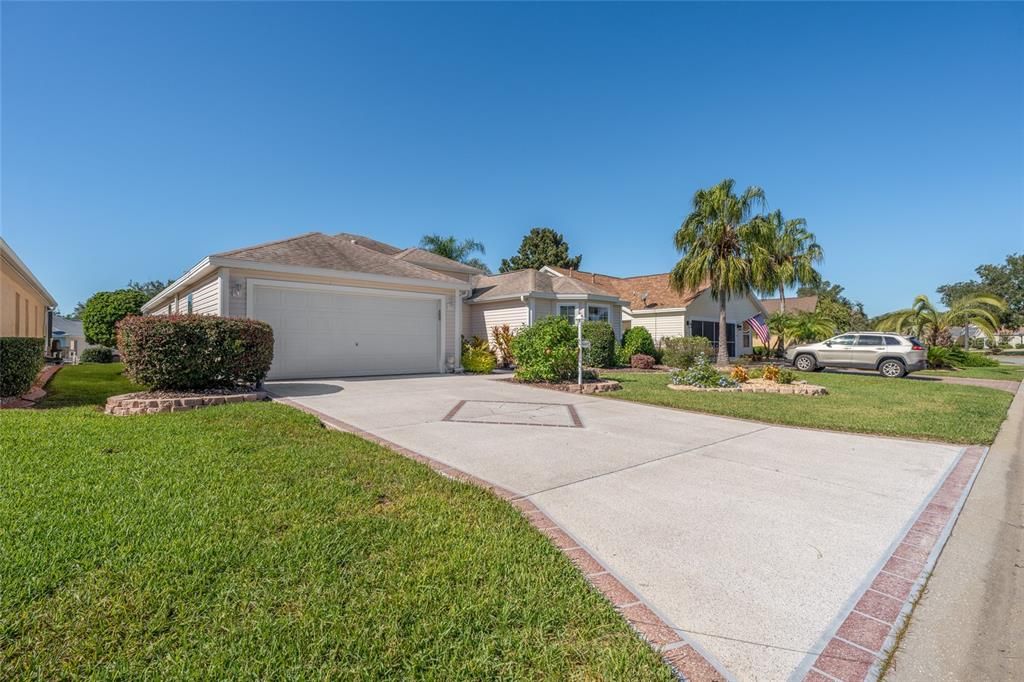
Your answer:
<point x="869" y="340"/>
<point x="845" y="340"/>
<point x="892" y="341"/>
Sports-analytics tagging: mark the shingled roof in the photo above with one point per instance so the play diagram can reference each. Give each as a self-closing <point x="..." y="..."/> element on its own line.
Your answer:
<point x="342" y="252"/>
<point x="644" y="292"/>
<point x="797" y="304"/>
<point x="531" y="281"/>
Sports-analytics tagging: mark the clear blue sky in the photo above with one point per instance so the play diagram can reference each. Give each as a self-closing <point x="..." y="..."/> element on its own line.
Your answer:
<point x="138" y="138"/>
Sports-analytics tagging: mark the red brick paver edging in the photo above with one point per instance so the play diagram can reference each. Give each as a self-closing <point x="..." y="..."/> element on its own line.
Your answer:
<point x="688" y="662"/>
<point x="36" y="393"/>
<point x="858" y="646"/>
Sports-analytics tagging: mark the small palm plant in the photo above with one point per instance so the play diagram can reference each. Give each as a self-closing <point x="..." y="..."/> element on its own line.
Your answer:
<point x="810" y="327"/>
<point x="451" y="247"/>
<point x="927" y="322"/>
<point x="718" y="240"/>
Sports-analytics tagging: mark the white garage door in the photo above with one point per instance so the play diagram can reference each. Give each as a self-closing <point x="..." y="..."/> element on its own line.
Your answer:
<point x="326" y="333"/>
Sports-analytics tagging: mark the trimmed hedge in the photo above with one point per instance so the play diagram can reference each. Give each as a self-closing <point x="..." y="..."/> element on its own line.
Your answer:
<point x="97" y="354"/>
<point x="636" y="340"/>
<point x="602" y="344"/>
<point x="186" y="352"/>
<point x="21" y="358"/>
<point x="546" y="350"/>
<point x="641" y="361"/>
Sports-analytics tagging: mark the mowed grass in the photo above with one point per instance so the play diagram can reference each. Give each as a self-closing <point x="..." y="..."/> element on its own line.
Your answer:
<point x="87" y="384"/>
<point x="1003" y="373"/>
<point x="864" y="404"/>
<point x="247" y="541"/>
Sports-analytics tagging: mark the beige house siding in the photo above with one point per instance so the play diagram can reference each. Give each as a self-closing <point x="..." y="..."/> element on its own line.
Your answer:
<point x="484" y="317"/>
<point x="237" y="288"/>
<point x="22" y="305"/>
<point x="661" y="325"/>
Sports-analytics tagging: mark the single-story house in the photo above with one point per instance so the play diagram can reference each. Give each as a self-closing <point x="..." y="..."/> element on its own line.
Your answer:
<point x="68" y="339"/>
<point x="652" y="302"/>
<point x="25" y="303"/>
<point x="348" y="305"/>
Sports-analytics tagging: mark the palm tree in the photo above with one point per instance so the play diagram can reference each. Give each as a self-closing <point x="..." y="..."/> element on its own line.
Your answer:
<point x="808" y="327"/>
<point x="924" y="320"/>
<point x="717" y="240"/>
<point x="461" y="251"/>
<point x="786" y="255"/>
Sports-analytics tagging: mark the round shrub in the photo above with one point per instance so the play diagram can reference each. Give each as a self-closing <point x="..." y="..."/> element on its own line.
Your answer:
<point x="702" y="374"/>
<point x="602" y="344"/>
<point x="189" y="352"/>
<point x="683" y="351"/>
<point x="21" y="358"/>
<point x="641" y="361"/>
<point x="97" y="354"/>
<point x="105" y="309"/>
<point x="478" y="361"/>
<point x="770" y="373"/>
<point x="635" y="340"/>
<point x="546" y="350"/>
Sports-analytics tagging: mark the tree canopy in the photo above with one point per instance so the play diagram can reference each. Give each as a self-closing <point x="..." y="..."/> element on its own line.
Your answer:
<point x="451" y="247"/>
<point x="845" y="315"/>
<point x="541" y="246"/>
<point x="1003" y="280"/>
<point x="105" y="309"/>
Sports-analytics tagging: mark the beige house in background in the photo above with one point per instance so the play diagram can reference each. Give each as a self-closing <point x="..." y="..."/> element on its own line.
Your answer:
<point x="24" y="301"/>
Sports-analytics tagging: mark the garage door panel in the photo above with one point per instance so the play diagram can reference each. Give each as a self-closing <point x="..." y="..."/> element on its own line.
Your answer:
<point x="324" y="333"/>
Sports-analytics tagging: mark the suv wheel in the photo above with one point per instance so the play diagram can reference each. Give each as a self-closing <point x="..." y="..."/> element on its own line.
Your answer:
<point x="892" y="369"/>
<point x="805" y="363"/>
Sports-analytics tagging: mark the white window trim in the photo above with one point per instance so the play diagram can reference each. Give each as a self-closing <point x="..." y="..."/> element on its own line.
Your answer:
<point x="558" y="309"/>
<point x="251" y="284"/>
<point x="607" y="308"/>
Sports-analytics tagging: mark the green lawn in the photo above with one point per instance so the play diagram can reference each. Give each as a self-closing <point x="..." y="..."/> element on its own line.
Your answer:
<point x="1004" y="372"/>
<point x="246" y="541"/>
<point x="865" y="404"/>
<point x="87" y="384"/>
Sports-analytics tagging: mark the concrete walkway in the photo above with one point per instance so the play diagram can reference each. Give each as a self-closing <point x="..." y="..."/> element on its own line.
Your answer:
<point x="756" y="543"/>
<point x="969" y="625"/>
<point x="1000" y="384"/>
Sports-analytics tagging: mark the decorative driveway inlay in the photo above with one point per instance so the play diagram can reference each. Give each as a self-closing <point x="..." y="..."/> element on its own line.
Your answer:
<point x="517" y="413"/>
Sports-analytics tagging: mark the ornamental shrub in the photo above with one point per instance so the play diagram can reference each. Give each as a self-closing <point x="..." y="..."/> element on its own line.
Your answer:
<point x="770" y="373"/>
<point x="602" y="344"/>
<point x="739" y="374"/>
<point x="105" y="309"/>
<point x="786" y="376"/>
<point x="702" y="374"/>
<point x="635" y="340"/>
<point x="21" y="358"/>
<point x="478" y="361"/>
<point x="683" y="351"/>
<point x="641" y="361"/>
<point x="503" y="336"/>
<point x="190" y="352"/>
<point x="939" y="357"/>
<point x="97" y="354"/>
<point x="546" y="350"/>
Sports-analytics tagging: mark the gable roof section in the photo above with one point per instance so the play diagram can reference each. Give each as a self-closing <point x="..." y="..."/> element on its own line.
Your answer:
<point x="432" y="260"/>
<point x="372" y="244"/>
<point x="644" y="292"/>
<point x="530" y="281"/>
<point x="798" y="304"/>
<point x="327" y="252"/>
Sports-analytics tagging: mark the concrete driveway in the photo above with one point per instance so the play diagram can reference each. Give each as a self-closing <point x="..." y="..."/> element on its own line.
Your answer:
<point x="754" y="542"/>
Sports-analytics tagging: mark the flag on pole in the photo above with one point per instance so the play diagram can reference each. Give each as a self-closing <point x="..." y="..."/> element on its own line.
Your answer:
<point x="757" y="323"/>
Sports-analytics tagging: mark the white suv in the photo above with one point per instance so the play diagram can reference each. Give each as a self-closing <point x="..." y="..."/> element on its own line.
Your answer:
<point x="890" y="355"/>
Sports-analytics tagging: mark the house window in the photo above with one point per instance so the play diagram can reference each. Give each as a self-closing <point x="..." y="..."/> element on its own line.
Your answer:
<point x="746" y="337"/>
<point x="188" y="302"/>
<point x="597" y="313"/>
<point x="568" y="312"/>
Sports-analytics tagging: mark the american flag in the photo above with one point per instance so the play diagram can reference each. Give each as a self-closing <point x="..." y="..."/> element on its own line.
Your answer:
<point x="757" y="323"/>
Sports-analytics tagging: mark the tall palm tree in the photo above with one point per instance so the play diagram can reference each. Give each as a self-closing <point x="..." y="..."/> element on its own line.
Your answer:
<point x="924" y="320"/>
<point x="717" y="240"/>
<point x="806" y="327"/>
<point x="786" y="255"/>
<point x="451" y="247"/>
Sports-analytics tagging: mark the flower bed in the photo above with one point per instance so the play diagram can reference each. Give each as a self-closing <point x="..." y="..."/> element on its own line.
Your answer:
<point x="152" y="402"/>
<point x="759" y="386"/>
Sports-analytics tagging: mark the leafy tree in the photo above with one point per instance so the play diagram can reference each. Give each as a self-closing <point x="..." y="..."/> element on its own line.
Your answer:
<point x="718" y="240"/>
<point x="150" y="289"/>
<point x="786" y="255"/>
<point x="1005" y="281"/>
<point x="105" y="309"/>
<point x="452" y="248"/>
<point x="845" y="314"/>
<point x="541" y="246"/>
<point x="925" y="321"/>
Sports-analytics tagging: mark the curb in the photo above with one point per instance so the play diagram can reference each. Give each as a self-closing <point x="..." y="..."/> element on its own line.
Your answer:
<point x="688" y="661"/>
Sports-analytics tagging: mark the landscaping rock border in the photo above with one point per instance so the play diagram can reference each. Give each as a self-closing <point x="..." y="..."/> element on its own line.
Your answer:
<point x="755" y="386"/>
<point x="601" y="386"/>
<point x="142" y="403"/>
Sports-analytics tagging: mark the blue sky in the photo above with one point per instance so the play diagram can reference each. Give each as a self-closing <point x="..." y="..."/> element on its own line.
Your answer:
<point x="138" y="138"/>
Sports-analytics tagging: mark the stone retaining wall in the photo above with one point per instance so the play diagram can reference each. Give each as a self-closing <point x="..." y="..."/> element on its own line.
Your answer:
<point x="591" y="387"/>
<point x="787" y="389"/>
<point x="127" y="404"/>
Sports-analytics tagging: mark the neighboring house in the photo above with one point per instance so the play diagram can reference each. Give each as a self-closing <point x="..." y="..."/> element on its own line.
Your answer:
<point x="796" y="304"/>
<point x="651" y="302"/>
<point x="24" y="302"/>
<point x="68" y="338"/>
